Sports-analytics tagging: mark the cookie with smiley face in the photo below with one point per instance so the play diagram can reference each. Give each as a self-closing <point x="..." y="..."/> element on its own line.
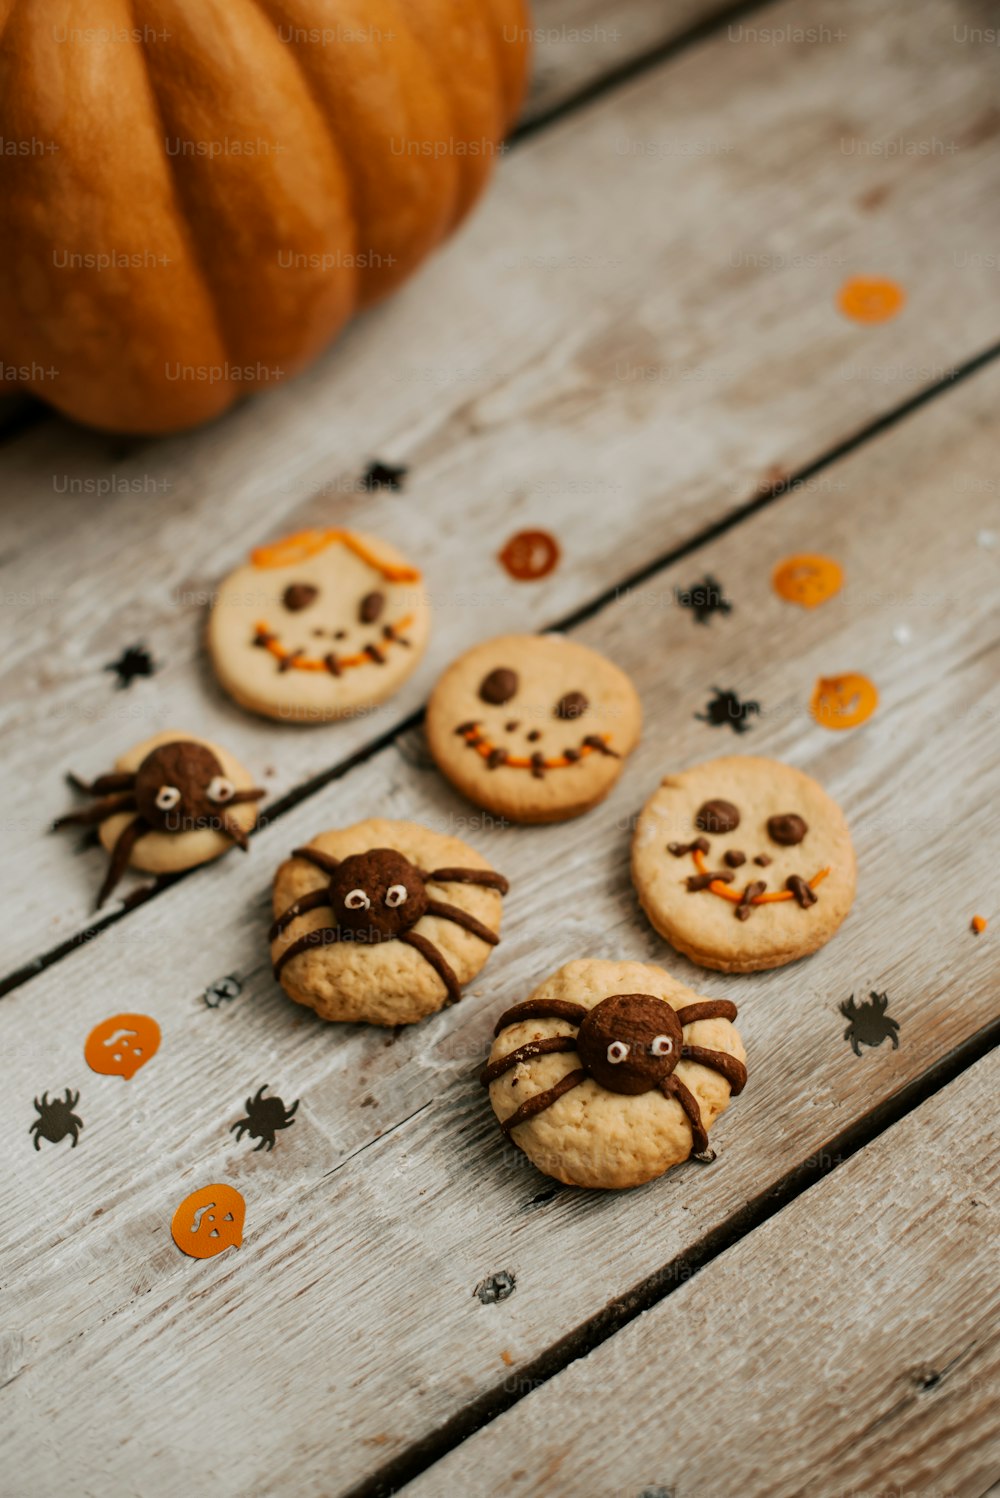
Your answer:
<point x="535" y="728"/>
<point x="321" y="625"/>
<point x="743" y="863"/>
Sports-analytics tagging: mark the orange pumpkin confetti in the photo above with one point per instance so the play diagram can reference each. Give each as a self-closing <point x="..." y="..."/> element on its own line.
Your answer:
<point x="807" y="580"/>
<point x="118" y="1046"/>
<point x="209" y="1221"/>
<point x="530" y="555"/>
<point x="870" y="299"/>
<point x="979" y="924"/>
<point x="843" y="701"/>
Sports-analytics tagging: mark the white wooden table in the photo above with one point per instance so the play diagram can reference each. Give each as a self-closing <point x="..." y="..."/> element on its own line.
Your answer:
<point x="635" y="344"/>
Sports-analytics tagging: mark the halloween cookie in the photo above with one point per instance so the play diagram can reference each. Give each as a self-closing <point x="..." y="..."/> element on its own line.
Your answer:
<point x="320" y="625"/>
<point x="170" y="803"/>
<point x="533" y="727"/>
<point x="743" y="863"/>
<point x="612" y="1072"/>
<point x="383" y="922"/>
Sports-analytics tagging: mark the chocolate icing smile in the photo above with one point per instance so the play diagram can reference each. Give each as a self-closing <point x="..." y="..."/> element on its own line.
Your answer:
<point x="297" y="660"/>
<point x="537" y="763"/>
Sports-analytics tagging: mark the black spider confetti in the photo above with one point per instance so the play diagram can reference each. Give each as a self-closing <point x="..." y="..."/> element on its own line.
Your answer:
<point x="726" y="707"/>
<point x="133" y="662"/>
<point x="704" y="599"/>
<point x="384" y="475"/>
<point x="868" y="1023"/>
<point x="265" y="1115"/>
<point x="496" y="1287"/>
<point x="56" y="1119"/>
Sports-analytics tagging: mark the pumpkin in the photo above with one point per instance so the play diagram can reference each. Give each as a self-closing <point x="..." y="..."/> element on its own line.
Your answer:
<point x="197" y="194"/>
<point x="209" y="1221"/>
<point x="843" y="701"/>
<point x="807" y="580"/>
<point x="118" y="1046"/>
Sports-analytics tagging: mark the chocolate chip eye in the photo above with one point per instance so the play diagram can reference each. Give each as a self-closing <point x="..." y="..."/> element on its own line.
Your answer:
<point x="573" y="705"/>
<point x="299" y="596"/>
<point x="499" y="686"/>
<point x="371" y="607"/>
<point x="786" y="829"/>
<point x="717" y="816"/>
<point x="167" y="797"/>
<point x="661" y="1045"/>
<point x="617" y="1052"/>
<point x="356" y="899"/>
<point x="221" y="789"/>
<point x="396" y="894"/>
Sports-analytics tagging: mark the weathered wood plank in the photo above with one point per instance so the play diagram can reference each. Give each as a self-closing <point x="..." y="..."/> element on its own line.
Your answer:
<point x="850" y="1345"/>
<point x="347" y="1321"/>
<point x="622" y="371"/>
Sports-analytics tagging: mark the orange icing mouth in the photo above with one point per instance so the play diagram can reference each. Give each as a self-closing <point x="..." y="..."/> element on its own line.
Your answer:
<point x="291" y="660"/>
<point x="536" y="763"/>
<point x="735" y="898"/>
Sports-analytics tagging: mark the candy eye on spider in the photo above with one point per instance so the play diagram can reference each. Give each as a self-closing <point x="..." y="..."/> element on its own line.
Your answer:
<point x="356" y="899"/>
<point x="396" y="894"/>
<point x="167" y="797"/>
<point x="617" y="1052"/>
<point x="661" y="1045"/>
<point x="221" y="789"/>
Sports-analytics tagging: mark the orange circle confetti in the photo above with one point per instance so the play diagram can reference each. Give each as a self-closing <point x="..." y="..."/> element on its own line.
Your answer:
<point x="209" y="1221"/>
<point x="979" y="924"/>
<point x="807" y="580"/>
<point x="870" y="299"/>
<point x="843" y="701"/>
<point x="530" y="555"/>
<point x="118" y="1046"/>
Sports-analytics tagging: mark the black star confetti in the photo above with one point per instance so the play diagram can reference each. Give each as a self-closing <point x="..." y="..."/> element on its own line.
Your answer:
<point x="384" y="476"/>
<point x="265" y="1115"/>
<point x="704" y="599"/>
<point x="222" y="990"/>
<point x="726" y="707"/>
<point x="868" y="1023"/>
<point x="56" y="1119"/>
<point x="133" y="662"/>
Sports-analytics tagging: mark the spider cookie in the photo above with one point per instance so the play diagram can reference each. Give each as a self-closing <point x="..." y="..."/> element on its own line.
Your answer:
<point x="743" y="863"/>
<point x="172" y="802"/>
<point x="320" y="625"/>
<point x="533" y="727"/>
<point x="612" y="1072"/>
<point x="383" y="922"/>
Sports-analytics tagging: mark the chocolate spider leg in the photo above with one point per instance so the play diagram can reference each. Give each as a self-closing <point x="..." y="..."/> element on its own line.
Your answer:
<point x="541" y="1009"/>
<point x="542" y="1100"/>
<point x="239" y="798"/>
<point x="234" y="831"/>
<point x="323" y="936"/>
<point x="707" y="1009"/>
<point x="544" y="1047"/>
<point x="312" y="901"/>
<point x="437" y="960"/>
<point x="108" y="806"/>
<point x="324" y="861"/>
<point x="447" y="912"/>
<point x="730" y="1067"/>
<point x="487" y="877"/>
<point x="120" y="853"/>
<point x="672" y="1086"/>
<point x="123" y="780"/>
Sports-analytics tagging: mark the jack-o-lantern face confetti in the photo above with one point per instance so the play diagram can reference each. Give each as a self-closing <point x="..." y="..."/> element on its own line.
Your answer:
<point x="118" y="1046"/>
<point x="843" y="701"/>
<point x="807" y="580"/>
<point x="171" y="803"/>
<point x="320" y="625"/>
<point x="870" y="299"/>
<point x="743" y="863"/>
<point x="209" y="1221"/>
<point x="530" y="555"/>
<point x="533" y="727"/>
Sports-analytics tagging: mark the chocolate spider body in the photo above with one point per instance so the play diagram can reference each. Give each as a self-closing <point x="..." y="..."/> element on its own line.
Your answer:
<point x="56" y="1119"/>
<point x="265" y="1115"/>
<point x="179" y="787"/>
<point x="628" y="1043"/>
<point x="380" y="896"/>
